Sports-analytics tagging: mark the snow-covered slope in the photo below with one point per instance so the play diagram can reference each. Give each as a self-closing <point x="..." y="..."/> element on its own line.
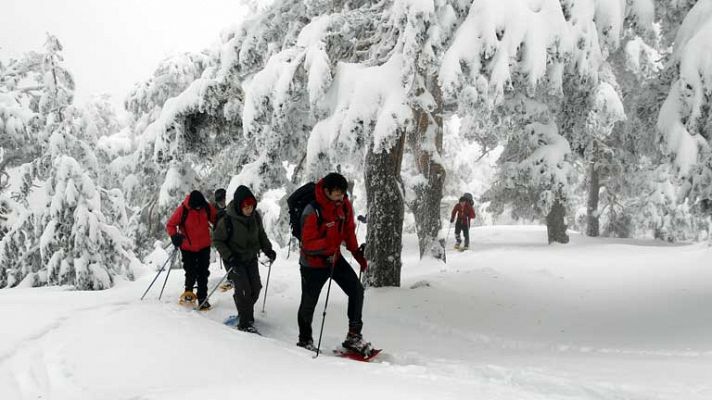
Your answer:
<point x="512" y="318"/>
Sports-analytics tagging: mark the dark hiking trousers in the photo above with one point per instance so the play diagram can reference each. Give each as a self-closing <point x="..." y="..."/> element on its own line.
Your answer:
<point x="197" y="269"/>
<point x="313" y="280"/>
<point x="245" y="277"/>
<point x="465" y="229"/>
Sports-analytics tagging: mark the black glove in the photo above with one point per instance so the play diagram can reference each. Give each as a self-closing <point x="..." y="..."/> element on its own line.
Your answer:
<point x="452" y="220"/>
<point x="361" y="218"/>
<point x="271" y="254"/>
<point x="177" y="239"/>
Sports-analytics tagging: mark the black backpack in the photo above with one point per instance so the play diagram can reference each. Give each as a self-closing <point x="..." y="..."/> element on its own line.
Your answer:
<point x="297" y="202"/>
<point x="468" y="198"/>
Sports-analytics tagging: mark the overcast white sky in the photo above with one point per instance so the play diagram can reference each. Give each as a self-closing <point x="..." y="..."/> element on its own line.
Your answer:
<point x="111" y="44"/>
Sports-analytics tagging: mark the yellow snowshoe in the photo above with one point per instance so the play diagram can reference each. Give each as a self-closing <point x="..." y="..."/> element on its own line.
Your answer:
<point x="188" y="298"/>
<point x="226" y="286"/>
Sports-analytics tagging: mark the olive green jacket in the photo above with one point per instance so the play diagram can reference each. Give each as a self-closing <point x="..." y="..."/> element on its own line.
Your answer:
<point x="247" y="239"/>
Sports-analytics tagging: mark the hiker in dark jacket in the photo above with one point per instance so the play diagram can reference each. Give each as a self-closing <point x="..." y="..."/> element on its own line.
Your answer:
<point x="220" y="202"/>
<point x="189" y="229"/>
<point x="463" y="212"/>
<point x="322" y="233"/>
<point x="239" y="236"/>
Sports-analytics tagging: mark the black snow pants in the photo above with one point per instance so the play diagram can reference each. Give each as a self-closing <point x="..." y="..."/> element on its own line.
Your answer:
<point x="197" y="268"/>
<point x="313" y="280"/>
<point x="245" y="277"/>
<point x="465" y="229"/>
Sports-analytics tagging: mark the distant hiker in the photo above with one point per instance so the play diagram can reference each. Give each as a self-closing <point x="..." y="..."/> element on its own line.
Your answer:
<point x="220" y="202"/>
<point x="189" y="229"/>
<point x="464" y="212"/>
<point x="219" y="205"/>
<point x="326" y="222"/>
<point x="239" y="237"/>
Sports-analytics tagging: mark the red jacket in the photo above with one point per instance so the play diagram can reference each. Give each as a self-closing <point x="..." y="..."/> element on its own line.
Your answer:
<point x="196" y="228"/>
<point x="464" y="214"/>
<point x="322" y="239"/>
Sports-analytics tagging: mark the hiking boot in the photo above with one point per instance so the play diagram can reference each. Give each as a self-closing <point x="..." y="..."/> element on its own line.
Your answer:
<point x="355" y="343"/>
<point x="457" y="246"/>
<point x="188" y="297"/>
<point x="308" y="344"/>
<point x="248" y="329"/>
<point x="463" y="248"/>
<point x="205" y="306"/>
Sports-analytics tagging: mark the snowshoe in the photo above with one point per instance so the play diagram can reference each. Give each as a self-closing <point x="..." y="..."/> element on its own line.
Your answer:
<point x="457" y="246"/>
<point x="463" y="248"/>
<point x="188" y="298"/>
<point x="232" y="321"/>
<point x="345" y="353"/>
<point x="249" y="329"/>
<point x="226" y="286"/>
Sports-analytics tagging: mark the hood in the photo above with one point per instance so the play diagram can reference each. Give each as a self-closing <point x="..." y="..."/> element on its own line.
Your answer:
<point x="324" y="201"/>
<point x="241" y="193"/>
<point x="196" y="200"/>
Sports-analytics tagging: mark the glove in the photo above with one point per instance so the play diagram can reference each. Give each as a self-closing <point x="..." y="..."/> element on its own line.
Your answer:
<point x="452" y="220"/>
<point x="361" y="258"/>
<point x="271" y="254"/>
<point x="361" y="218"/>
<point x="361" y="261"/>
<point x="177" y="239"/>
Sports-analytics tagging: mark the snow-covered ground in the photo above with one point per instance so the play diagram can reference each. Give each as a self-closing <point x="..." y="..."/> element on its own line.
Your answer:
<point x="513" y="318"/>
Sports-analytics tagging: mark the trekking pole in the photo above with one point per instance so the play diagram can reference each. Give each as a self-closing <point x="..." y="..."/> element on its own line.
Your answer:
<point x="166" y="280"/>
<point x="289" y="247"/>
<point x="269" y="272"/>
<point x="213" y="291"/>
<point x="445" y="244"/>
<point x="159" y="272"/>
<point x="326" y="304"/>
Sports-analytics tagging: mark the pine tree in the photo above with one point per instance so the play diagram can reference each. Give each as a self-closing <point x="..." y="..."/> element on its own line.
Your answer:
<point x="69" y="241"/>
<point x="685" y="120"/>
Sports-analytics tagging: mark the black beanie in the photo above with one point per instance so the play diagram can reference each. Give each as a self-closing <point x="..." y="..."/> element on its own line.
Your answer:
<point x="196" y="200"/>
<point x="220" y="195"/>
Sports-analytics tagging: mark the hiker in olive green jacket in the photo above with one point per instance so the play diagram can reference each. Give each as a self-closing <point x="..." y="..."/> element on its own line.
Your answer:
<point x="243" y="224"/>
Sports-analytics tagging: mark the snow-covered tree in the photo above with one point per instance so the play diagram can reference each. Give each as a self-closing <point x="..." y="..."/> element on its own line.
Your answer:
<point x="551" y="54"/>
<point x="685" y="119"/>
<point x="153" y="158"/>
<point x="69" y="241"/>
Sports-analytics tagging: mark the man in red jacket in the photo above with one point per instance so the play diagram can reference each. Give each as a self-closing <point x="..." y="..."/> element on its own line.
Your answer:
<point x="327" y="223"/>
<point x="189" y="229"/>
<point x="464" y="212"/>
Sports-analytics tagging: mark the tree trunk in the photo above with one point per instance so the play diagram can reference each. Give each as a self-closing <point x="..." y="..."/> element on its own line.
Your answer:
<point x="555" y="226"/>
<point x="592" y="227"/>
<point x="384" y="191"/>
<point x="426" y="143"/>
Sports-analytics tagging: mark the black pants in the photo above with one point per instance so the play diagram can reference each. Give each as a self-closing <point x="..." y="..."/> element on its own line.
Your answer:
<point x="245" y="277"/>
<point x="465" y="229"/>
<point x="313" y="280"/>
<point x="196" y="265"/>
